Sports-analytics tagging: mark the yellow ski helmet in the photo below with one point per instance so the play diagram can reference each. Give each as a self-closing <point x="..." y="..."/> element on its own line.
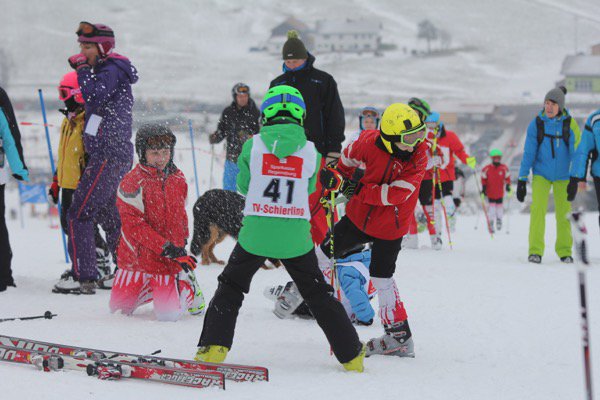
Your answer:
<point x="400" y="123"/>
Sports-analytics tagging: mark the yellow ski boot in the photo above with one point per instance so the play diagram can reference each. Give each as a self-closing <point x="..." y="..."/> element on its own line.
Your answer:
<point x="356" y="364"/>
<point x="212" y="354"/>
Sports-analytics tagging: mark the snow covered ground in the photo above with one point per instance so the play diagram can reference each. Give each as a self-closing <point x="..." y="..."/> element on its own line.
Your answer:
<point x="486" y="324"/>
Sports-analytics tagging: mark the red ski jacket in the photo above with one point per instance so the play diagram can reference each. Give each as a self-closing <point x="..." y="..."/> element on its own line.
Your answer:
<point x="446" y="146"/>
<point x="152" y="208"/>
<point x="390" y="186"/>
<point x="494" y="178"/>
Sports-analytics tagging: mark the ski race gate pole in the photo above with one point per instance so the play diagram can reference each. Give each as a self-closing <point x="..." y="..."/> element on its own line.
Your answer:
<point x="194" y="157"/>
<point x="439" y="182"/>
<point x="43" y="106"/>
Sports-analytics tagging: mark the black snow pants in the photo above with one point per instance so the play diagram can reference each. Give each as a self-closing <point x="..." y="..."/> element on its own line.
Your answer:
<point x="234" y="281"/>
<point x="6" y="278"/>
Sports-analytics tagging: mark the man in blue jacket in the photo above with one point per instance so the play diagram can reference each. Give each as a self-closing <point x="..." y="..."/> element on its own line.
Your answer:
<point x="550" y="144"/>
<point x="11" y="151"/>
<point x="590" y="143"/>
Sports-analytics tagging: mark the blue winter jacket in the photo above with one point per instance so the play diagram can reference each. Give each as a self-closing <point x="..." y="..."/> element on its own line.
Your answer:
<point x="590" y="141"/>
<point x="107" y="92"/>
<point x="553" y="167"/>
<point x="10" y="149"/>
<point x="355" y="284"/>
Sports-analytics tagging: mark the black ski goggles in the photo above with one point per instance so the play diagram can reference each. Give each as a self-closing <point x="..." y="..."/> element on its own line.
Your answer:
<point x="242" y="90"/>
<point x="89" y="30"/>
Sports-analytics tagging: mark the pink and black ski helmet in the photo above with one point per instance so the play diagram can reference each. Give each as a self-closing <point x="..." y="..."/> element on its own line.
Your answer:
<point x="101" y="34"/>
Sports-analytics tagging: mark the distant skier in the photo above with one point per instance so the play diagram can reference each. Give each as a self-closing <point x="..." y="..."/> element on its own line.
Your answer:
<point x="445" y="145"/>
<point x="239" y="122"/>
<point x="495" y="177"/>
<point x="105" y="79"/>
<point x="11" y="154"/>
<point x="368" y="120"/>
<point x="380" y="210"/>
<point x="552" y="137"/>
<point x="151" y="202"/>
<point x="278" y="171"/>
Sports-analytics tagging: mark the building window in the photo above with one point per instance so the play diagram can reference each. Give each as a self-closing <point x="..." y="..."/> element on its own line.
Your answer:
<point x="583" y="85"/>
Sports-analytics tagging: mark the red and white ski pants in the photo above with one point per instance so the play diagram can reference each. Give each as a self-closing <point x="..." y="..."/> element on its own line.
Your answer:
<point x="171" y="294"/>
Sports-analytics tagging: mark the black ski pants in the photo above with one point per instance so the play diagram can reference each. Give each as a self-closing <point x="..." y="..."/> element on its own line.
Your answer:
<point x="6" y="278"/>
<point x="384" y="253"/>
<point x="426" y="191"/>
<point x="234" y="282"/>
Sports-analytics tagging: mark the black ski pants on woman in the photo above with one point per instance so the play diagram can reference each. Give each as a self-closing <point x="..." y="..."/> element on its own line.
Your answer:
<point x="6" y="278"/>
<point x="234" y="281"/>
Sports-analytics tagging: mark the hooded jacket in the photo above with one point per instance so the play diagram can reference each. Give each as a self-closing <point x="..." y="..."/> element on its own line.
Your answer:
<point x="552" y="165"/>
<point x="236" y="126"/>
<point x="325" y="122"/>
<point x="447" y="145"/>
<point x="108" y="97"/>
<point x="275" y="237"/>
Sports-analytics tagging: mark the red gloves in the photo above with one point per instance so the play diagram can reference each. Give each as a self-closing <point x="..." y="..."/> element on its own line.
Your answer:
<point x="331" y="179"/>
<point x="53" y="191"/>
<point x="78" y="61"/>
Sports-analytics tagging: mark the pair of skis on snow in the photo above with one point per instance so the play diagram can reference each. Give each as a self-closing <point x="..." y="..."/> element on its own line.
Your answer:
<point x="113" y="365"/>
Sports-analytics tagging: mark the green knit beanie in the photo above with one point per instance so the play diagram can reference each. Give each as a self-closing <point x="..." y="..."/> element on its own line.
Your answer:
<point x="293" y="48"/>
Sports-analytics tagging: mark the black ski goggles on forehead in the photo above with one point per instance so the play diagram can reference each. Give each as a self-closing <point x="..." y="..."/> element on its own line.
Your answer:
<point x="160" y="142"/>
<point x="87" y="29"/>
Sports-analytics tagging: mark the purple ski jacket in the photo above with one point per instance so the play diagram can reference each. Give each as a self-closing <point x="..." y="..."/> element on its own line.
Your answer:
<point x="106" y="90"/>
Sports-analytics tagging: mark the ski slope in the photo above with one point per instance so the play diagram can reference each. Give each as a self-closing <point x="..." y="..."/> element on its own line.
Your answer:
<point x="486" y="324"/>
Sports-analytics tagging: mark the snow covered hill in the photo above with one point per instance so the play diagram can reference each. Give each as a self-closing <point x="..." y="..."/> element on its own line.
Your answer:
<point x="199" y="49"/>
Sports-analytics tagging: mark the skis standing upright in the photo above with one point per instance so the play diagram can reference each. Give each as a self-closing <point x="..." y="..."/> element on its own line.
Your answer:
<point x="579" y="238"/>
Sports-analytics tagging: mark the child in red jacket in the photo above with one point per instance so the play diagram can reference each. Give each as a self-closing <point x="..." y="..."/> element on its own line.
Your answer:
<point x="495" y="177"/>
<point x="153" y="262"/>
<point x="379" y="211"/>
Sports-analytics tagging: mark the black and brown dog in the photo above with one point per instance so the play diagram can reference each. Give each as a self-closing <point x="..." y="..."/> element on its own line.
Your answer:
<point x="217" y="214"/>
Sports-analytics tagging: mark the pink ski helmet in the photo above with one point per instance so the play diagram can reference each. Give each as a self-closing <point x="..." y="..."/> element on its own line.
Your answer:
<point x="101" y="34"/>
<point x="69" y="87"/>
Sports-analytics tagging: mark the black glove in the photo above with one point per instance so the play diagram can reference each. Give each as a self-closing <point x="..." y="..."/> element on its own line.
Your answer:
<point x="180" y="255"/>
<point x="17" y="177"/>
<point x="507" y="187"/>
<point x="521" y="190"/>
<point x="331" y="179"/>
<point x="484" y="190"/>
<point x="368" y="323"/>
<point x="348" y="188"/>
<point x="572" y="188"/>
<point x="457" y="201"/>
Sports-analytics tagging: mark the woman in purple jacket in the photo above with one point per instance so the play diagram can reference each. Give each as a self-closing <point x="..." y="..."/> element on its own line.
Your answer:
<point x="105" y="79"/>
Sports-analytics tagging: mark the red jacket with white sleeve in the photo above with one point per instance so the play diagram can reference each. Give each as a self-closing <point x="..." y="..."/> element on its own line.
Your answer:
<point x="152" y="208"/>
<point x="446" y="146"/>
<point x="389" y="189"/>
<point x="494" y="178"/>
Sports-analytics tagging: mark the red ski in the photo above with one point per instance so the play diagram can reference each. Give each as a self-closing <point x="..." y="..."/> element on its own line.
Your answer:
<point x="233" y="372"/>
<point x="111" y="369"/>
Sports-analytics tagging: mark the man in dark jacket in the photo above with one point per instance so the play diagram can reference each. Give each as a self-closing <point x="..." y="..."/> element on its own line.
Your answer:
<point x="239" y="121"/>
<point x="325" y="123"/>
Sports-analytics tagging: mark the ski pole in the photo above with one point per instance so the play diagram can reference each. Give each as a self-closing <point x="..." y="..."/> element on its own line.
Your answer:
<point x="487" y="219"/>
<point x="579" y="236"/>
<point x="194" y="158"/>
<point x="62" y="233"/>
<point x="508" y="211"/>
<point x="47" y="315"/>
<point x="439" y="175"/>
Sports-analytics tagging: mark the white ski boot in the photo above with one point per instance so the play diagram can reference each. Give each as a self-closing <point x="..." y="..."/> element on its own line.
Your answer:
<point x="436" y="241"/>
<point x="288" y="301"/>
<point x="410" y="241"/>
<point x="397" y="341"/>
<point x="198" y="305"/>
